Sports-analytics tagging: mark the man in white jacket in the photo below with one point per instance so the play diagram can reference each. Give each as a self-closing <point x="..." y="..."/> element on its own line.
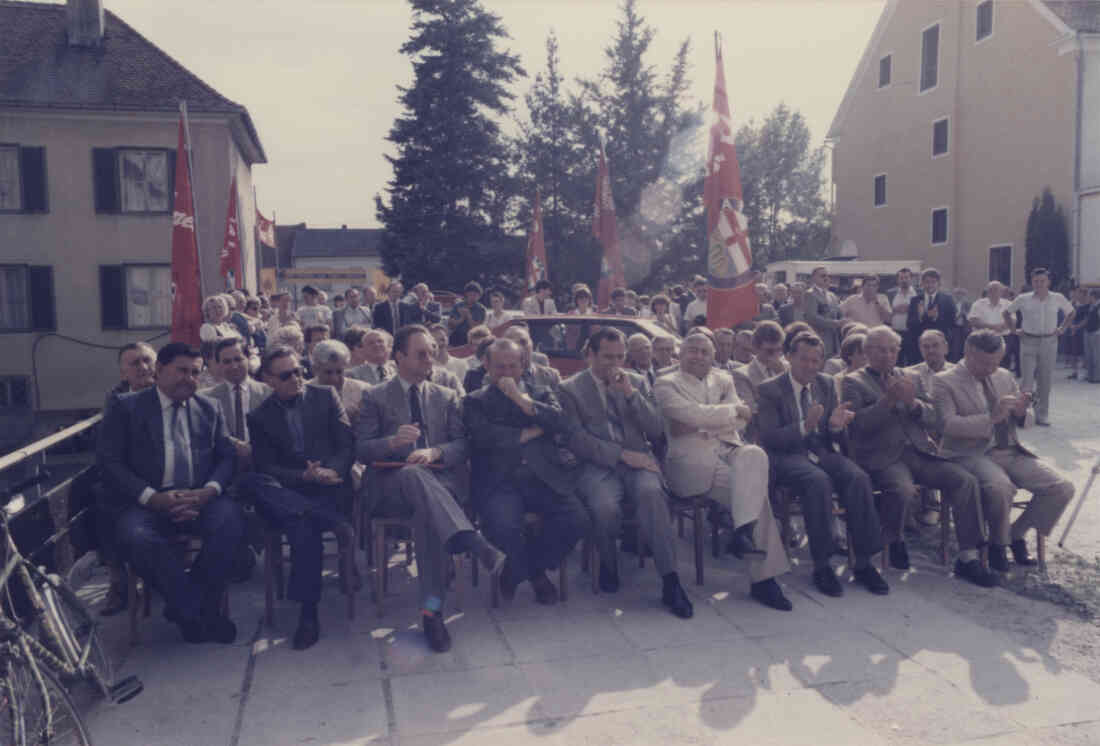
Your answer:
<point x="703" y="417"/>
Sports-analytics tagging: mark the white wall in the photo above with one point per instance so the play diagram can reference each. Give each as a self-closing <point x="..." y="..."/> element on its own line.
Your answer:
<point x="1089" y="272"/>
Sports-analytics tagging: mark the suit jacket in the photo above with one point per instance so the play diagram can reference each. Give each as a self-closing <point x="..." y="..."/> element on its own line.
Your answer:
<point x="351" y="396"/>
<point x="821" y="313"/>
<point x="650" y="373"/>
<point x="368" y="373"/>
<point x="747" y="380"/>
<point x="223" y="393"/>
<point x="493" y="426"/>
<point x="447" y="379"/>
<point x="382" y="315"/>
<point x="327" y="434"/>
<point x="919" y="320"/>
<point x="530" y="306"/>
<point x="591" y="441"/>
<point x="708" y="409"/>
<point x="779" y="424"/>
<point x="430" y="313"/>
<point x="474" y="379"/>
<point x="881" y="431"/>
<point x="130" y="450"/>
<point x="789" y="313"/>
<point x="963" y="409"/>
<point x="541" y="375"/>
<point x="923" y="375"/>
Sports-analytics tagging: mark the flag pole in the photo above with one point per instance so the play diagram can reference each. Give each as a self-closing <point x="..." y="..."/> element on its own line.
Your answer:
<point x="194" y="205"/>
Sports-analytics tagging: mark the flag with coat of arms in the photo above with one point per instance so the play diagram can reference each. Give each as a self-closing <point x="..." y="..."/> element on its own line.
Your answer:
<point x="536" y="248"/>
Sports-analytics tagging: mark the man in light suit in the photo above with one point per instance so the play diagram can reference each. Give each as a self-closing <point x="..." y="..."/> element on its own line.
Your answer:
<point x="981" y="406"/>
<point x="706" y="455"/>
<point x="330" y="360"/>
<point x="239" y="395"/>
<point x="822" y="311"/>
<point x="376" y="366"/>
<point x="166" y="456"/>
<point x="933" y="350"/>
<point x="616" y="420"/>
<point x="534" y="374"/>
<point x="801" y="426"/>
<point x="414" y="421"/>
<point x="540" y="304"/>
<point x="890" y="438"/>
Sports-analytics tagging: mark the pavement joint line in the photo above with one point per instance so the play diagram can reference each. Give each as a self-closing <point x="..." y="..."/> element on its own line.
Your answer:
<point x="246" y="684"/>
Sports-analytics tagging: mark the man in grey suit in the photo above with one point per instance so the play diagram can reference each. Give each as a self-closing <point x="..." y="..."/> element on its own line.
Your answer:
<point x="767" y="362"/>
<point x="239" y="395"/>
<point x="617" y="419"/>
<point x="352" y="314"/>
<point x="534" y="374"/>
<point x="889" y="437"/>
<point x="822" y="311"/>
<point x="411" y="420"/>
<point x="167" y="457"/>
<point x="376" y="366"/>
<point x="981" y="406"/>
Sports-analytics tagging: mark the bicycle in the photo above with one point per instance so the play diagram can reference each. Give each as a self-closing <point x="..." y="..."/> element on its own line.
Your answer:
<point x="56" y="641"/>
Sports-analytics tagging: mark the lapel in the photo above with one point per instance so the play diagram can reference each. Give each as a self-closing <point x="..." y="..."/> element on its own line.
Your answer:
<point x="973" y="389"/>
<point x="592" y="399"/>
<point x="790" y="410"/>
<point x="872" y="382"/>
<point x="154" y="424"/>
<point x="195" y="420"/>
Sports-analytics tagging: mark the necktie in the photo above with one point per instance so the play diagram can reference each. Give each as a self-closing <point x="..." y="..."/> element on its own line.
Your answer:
<point x="1002" y="432"/>
<point x="381" y="373"/>
<point x="542" y="306"/>
<point x="805" y="401"/>
<point x="614" y="417"/>
<point x="180" y="478"/>
<point x="238" y="413"/>
<point x="393" y="312"/>
<point x="417" y="416"/>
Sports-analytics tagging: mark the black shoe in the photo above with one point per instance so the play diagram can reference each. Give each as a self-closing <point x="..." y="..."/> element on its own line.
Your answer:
<point x="826" y="582"/>
<point x="741" y="543"/>
<point x="899" y="555"/>
<point x="193" y="631"/>
<point x="507" y="585"/>
<point x="115" y="601"/>
<point x="220" y="629"/>
<point x="243" y="564"/>
<point x="869" y="578"/>
<point x="770" y="594"/>
<point x="609" y="579"/>
<point x="973" y="571"/>
<point x="1020" y="555"/>
<point x="998" y="557"/>
<point x="675" y="598"/>
<point x="435" y="631"/>
<point x="307" y="634"/>
<point x="545" y="592"/>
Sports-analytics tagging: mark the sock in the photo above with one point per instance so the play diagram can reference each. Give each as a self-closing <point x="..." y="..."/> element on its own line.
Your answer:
<point x="967" y="555"/>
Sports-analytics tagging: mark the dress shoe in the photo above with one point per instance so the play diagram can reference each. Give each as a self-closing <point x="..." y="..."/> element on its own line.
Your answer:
<point x="826" y="582"/>
<point x="609" y="579"/>
<point x="1043" y="423"/>
<point x="193" y="631"/>
<point x="545" y="592"/>
<point x="435" y="632"/>
<point x="998" y="557"/>
<point x="307" y="634"/>
<point x="115" y="601"/>
<point x="220" y="629"/>
<point x="676" y="599"/>
<point x="899" y="555"/>
<point x="741" y="543"/>
<point x="770" y="594"/>
<point x="869" y="578"/>
<point x="507" y="584"/>
<point x="973" y="571"/>
<point x="1020" y="555"/>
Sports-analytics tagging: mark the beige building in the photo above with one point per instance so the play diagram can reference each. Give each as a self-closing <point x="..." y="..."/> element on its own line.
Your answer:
<point x="959" y="114"/>
<point x="88" y="135"/>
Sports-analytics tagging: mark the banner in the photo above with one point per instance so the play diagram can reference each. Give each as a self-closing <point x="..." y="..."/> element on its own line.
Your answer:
<point x="231" y="246"/>
<point x="536" y="248"/>
<point x="186" y="285"/>
<point x="265" y="229"/>
<point x="604" y="227"/>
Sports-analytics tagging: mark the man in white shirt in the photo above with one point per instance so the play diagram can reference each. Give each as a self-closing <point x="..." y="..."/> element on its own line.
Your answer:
<point x="868" y="306"/>
<point x="900" y="298"/>
<point x="443" y="357"/>
<point x="313" y="313"/>
<point x="1039" y="332"/>
<point x="697" y="307"/>
<point x="540" y="304"/>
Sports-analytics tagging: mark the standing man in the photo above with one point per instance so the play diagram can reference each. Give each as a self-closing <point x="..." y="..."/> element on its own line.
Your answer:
<point x="510" y="428"/>
<point x="540" y="304"/>
<point x="795" y="307"/>
<point x="900" y="297"/>
<point x="697" y="307"/>
<point x="1039" y="332"/>
<point x="391" y="314"/>
<point x="981" y="406"/>
<point x="989" y="312"/>
<point x="868" y="306"/>
<point x="618" y="305"/>
<point x="314" y="313"/>
<point x="890" y="438"/>
<point x="167" y="458"/>
<point x="823" y="311"/>
<point x="376" y="366"/>
<point x="615" y="420"/>
<point x="931" y="309"/>
<point x="352" y="314"/>
<point x="466" y="314"/>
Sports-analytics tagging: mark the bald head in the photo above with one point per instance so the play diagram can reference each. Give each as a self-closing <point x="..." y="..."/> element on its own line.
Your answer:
<point x="504" y="359"/>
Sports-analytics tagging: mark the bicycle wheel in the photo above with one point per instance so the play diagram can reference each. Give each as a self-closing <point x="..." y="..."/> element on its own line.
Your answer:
<point x="74" y="631"/>
<point x="42" y="714"/>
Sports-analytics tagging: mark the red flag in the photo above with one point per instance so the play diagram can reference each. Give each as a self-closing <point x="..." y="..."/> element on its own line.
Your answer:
<point x="186" y="287"/>
<point x="731" y="298"/>
<point x="266" y="230"/>
<point x="606" y="230"/>
<point x="536" y="248"/>
<point x="231" y="246"/>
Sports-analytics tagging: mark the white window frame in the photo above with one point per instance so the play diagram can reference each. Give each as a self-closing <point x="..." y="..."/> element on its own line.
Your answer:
<point x="932" y="226"/>
<point x="920" y="56"/>
<point x="1011" y="259"/>
<point x="168" y="187"/>
<point x="14" y="147"/>
<point x="992" y="21"/>
<point x="947" y="152"/>
<point x="878" y="72"/>
<point x="24" y="272"/>
<point x="885" y="190"/>
<point x="132" y="290"/>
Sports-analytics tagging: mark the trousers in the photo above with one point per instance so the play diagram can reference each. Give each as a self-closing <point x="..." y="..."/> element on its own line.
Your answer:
<point x="1037" y="358"/>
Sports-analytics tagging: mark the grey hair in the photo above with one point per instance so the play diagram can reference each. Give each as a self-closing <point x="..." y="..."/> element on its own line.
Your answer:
<point x="932" y="333"/>
<point x="985" y="340"/>
<point x="881" y="331"/>
<point x="289" y="335"/>
<point x="329" y="352"/>
<point x="633" y="339"/>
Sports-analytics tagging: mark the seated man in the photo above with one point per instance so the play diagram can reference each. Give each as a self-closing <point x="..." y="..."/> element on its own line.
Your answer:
<point x="167" y="457"/>
<point x="239" y="395"/>
<point x="617" y="420"/>
<point x="412" y="420"/>
<point x="981" y="406"/>
<point x="725" y="340"/>
<point x="511" y="428"/>
<point x="639" y="357"/>
<point x="801" y="424"/>
<point x="534" y="372"/>
<point x="767" y="362"/>
<point x="664" y="355"/>
<point x="330" y="362"/>
<point x="933" y="350"/>
<point x="475" y="376"/>
<point x="303" y="449"/>
<point x="443" y="358"/>
<point x="706" y="454"/>
<point x="889" y="437"/>
<point x="376" y="366"/>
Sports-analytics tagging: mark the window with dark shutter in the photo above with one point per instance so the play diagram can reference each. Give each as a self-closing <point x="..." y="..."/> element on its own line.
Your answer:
<point x="1000" y="265"/>
<point x="32" y="165"/>
<point x="939" y="137"/>
<point x="939" y="225"/>
<point x="984" y="20"/>
<point x="884" y="70"/>
<point x="112" y="296"/>
<point x="105" y="177"/>
<point x="930" y="58"/>
<point x="43" y="314"/>
<point x="880" y="190"/>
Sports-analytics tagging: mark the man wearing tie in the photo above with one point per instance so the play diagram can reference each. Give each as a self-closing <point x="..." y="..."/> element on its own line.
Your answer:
<point x="167" y="456"/>
<point x="618" y="419"/>
<point x="239" y="395"/>
<point x="391" y="314"/>
<point x="376" y="366"/>
<point x="931" y="309"/>
<point x="639" y="357"/>
<point x="801" y="425"/>
<point x="352" y="314"/>
<point x="411" y="420"/>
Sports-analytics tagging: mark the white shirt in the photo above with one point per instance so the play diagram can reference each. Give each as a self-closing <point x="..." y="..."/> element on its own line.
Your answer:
<point x="900" y="307"/>
<point x="357" y="316"/>
<point x="457" y="365"/>
<point x="798" y="401"/>
<point x="858" y="309"/>
<point x="987" y="313"/>
<point x="169" y="454"/>
<point x="314" y="316"/>
<point x="697" y="307"/>
<point x="1040" y="317"/>
<point x="494" y="319"/>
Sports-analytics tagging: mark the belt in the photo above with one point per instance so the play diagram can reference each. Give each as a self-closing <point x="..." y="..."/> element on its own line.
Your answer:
<point x="1038" y="336"/>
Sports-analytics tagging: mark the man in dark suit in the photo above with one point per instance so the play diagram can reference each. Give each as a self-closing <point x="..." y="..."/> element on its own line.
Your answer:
<point x="303" y="450"/>
<point x="412" y="420"/>
<point x="889" y="437"/>
<point x="801" y="425"/>
<point x="425" y="311"/>
<point x="390" y="313"/>
<point x="167" y="457"/>
<point x="930" y="309"/>
<point x="517" y="469"/>
<point x="616" y="419"/>
<point x="534" y="374"/>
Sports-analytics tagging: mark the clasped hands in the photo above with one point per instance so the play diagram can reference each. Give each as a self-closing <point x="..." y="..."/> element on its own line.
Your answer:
<point x="181" y="505"/>
<point x="901" y="388"/>
<point x="1011" y="404"/>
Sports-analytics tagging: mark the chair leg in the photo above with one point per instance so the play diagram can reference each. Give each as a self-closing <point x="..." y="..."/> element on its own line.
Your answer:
<point x="147" y="597"/>
<point x="459" y="561"/>
<point x="269" y="581"/>
<point x="563" y="579"/>
<point x="347" y="557"/>
<point x="379" y="547"/>
<point x="474" y="572"/>
<point x="277" y="558"/>
<point x="410" y="551"/>
<point x="697" y="539"/>
<point x="715" y="541"/>
<point x="132" y="606"/>
<point x="585" y="565"/>
<point x="945" y="530"/>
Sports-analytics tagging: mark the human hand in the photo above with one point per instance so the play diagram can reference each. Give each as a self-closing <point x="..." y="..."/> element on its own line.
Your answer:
<point x="904" y="389"/>
<point x="509" y="387"/>
<point x="620" y="382"/>
<point x="406" y="435"/>
<point x="530" y="433"/>
<point x="639" y="460"/>
<point x="328" y="477"/>
<point x="813" y="416"/>
<point x="841" y="416"/>
<point x="1023" y="401"/>
<point x="1004" y="406"/>
<point x="423" y="456"/>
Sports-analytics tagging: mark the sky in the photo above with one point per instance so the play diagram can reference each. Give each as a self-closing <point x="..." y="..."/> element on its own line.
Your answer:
<point x="320" y="77"/>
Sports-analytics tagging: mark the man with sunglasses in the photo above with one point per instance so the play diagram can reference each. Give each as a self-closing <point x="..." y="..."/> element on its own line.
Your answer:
<point x="302" y="449"/>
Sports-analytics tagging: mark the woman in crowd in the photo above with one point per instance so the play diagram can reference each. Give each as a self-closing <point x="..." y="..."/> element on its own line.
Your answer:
<point x="582" y="301"/>
<point x="662" y="314"/>
<point x="497" y="314"/>
<point x="215" y="310"/>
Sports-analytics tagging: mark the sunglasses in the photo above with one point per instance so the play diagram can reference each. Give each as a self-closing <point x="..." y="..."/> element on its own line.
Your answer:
<point x="287" y="374"/>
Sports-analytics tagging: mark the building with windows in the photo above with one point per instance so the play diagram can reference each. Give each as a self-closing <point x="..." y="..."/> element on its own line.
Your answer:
<point x="958" y="115"/>
<point x="89" y="112"/>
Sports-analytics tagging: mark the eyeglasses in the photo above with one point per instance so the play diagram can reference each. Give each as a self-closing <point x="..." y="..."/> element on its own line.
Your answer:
<point x="287" y="374"/>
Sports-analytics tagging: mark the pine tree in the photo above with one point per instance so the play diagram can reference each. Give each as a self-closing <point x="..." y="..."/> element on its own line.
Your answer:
<point x="1047" y="243"/>
<point x="448" y="201"/>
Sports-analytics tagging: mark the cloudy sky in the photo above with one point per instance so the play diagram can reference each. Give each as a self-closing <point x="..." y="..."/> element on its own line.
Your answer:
<point x="319" y="76"/>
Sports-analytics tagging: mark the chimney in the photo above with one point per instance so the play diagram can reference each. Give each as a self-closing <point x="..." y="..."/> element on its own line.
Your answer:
<point x="85" y="22"/>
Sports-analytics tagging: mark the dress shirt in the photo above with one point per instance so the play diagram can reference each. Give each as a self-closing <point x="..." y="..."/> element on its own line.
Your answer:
<point x="357" y="316"/>
<point x="405" y="386"/>
<point x="315" y="315"/>
<point x="457" y="365"/>
<point x="1040" y="317"/>
<point x="697" y="307"/>
<point x="987" y="313"/>
<point x="292" y="409"/>
<point x="858" y="309"/>
<point x="244" y="408"/>
<point x="900" y="307"/>
<point x="169" y="455"/>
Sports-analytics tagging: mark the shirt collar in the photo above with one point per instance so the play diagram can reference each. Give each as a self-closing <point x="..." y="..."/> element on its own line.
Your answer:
<point x="405" y="385"/>
<point x="166" y="403"/>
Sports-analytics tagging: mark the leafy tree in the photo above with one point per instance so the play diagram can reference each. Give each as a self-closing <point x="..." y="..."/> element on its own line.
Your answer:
<point x="1047" y="243"/>
<point x="448" y="200"/>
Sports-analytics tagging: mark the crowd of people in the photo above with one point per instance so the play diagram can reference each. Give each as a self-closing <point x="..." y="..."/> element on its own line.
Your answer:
<point x="285" y="414"/>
